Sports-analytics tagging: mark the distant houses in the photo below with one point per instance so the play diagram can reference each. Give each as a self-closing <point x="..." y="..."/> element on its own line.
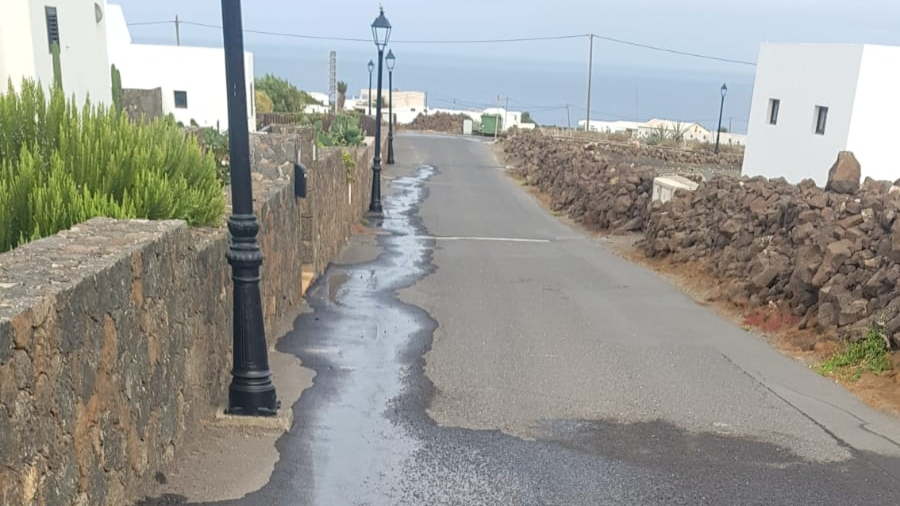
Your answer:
<point x="811" y="101"/>
<point x="663" y="128"/>
<point x="93" y="36"/>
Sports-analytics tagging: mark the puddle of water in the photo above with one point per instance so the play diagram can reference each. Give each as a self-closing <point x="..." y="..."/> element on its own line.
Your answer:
<point x="354" y="447"/>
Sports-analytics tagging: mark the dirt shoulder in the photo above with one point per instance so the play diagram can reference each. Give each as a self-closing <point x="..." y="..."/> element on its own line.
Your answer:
<point x="770" y="322"/>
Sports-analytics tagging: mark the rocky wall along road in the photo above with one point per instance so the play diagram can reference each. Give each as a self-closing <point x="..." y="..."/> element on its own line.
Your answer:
<point x="831" y="259"/>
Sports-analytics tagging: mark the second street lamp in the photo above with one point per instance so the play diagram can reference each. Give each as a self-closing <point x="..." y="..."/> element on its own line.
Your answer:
<point x="381" y="32"/>
<point x="371" y="68"/>
<point x="724" y="91"/>
<point x="390" y="65"/>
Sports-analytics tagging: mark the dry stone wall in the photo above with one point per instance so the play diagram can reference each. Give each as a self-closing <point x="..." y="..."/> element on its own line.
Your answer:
<point x="115" y="337"/>
<point x="829" y="258"/>
<point x="583" y="182"/>
<point x="438" y="122"/>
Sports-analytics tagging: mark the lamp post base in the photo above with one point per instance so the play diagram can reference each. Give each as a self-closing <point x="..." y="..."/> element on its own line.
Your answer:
<point x="253" y="400"/>
<point x="390" y="154"/>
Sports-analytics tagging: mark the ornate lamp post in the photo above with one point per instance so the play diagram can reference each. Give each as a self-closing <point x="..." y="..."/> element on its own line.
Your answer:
<point x="381" y="32"/>
<point x="252" y="392"/>
<point x="390" y="65"/>
<point x="371" y="68"/>
<point x="724" y="91"/>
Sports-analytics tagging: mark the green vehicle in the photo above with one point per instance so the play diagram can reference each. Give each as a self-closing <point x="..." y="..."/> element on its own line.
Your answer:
<point x="491" y="124"/>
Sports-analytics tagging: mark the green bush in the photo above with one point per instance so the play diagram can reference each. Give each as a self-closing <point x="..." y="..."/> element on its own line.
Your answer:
<point x="60" y="166"/>
<point x="870" y="354"/>
<point x="285" y="96"/>
<point x="339" y="130"/>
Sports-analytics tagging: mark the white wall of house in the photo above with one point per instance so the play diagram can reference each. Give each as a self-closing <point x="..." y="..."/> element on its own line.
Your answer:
<point x="610" y="126"/>
<point x="321" y="97"/>
<point x="197" y="72"/>
<point x="876" y="113"/>
<point x="802" y="77"/>
<point x="25" y="46"/>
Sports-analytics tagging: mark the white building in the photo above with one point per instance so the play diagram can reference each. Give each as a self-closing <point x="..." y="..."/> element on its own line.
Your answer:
<point x="671" y="129"/>
<point x="192" y="79"/>
<point x="611" y="127"/>
<point x="28" y="27"/>
<point x="811" y="101"/>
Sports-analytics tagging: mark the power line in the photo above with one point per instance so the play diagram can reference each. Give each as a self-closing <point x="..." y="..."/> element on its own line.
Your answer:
<point x="148" y="23"/>
<point x="672" y="51"/>
<point x="469" y="41"/>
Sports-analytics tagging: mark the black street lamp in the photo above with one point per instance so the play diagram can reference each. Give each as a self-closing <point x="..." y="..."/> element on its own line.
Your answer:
<point x="390" y="65"/>
<point x="381" y="32"/>
<point x="252" y="392"/>
<point x="721" y="110"/>
<point x="371" y="68"/>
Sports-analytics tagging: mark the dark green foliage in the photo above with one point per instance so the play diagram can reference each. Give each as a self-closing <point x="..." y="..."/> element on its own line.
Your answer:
<point x="339" y="130"/>
<point x="57" y="65"/>
<point x="116" y="88"/>
<point x="285" y="96"/>
<point x="216" y="144"/>
<point x="60" y="166"/>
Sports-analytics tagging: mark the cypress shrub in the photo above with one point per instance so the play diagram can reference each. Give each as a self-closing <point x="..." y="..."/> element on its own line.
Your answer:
<point x="60" y="165"/>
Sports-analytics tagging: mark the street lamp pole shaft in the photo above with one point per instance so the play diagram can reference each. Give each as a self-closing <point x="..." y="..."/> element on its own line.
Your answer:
<point x="390" y="157"/>
<point x="719" y="130"/>
<point x="370" y="93"/>
<point x="251" y="392"/>
<point x="375" y="202"/>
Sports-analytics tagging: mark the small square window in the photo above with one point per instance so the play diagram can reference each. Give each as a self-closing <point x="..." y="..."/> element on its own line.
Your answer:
<point x="181" y="100"/>
<point x="821" y="119"/>
<point x="774" y="105"/>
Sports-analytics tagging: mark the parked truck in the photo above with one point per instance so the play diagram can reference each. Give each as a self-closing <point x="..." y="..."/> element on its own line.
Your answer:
<point x="491" y="124"/>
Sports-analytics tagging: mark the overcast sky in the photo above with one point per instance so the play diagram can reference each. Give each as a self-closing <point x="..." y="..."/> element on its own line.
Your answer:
<point x="728" y="28"/>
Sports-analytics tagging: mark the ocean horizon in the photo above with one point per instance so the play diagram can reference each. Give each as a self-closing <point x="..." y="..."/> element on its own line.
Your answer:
<point x="684" y="90"/>
<point x="544" y="88"/>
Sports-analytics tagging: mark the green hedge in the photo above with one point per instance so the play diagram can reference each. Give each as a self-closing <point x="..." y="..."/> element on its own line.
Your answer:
<point x="60" y="166"/>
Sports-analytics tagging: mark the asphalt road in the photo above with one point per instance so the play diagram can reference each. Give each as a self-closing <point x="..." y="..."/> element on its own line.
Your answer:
<point x="475" y="350"/>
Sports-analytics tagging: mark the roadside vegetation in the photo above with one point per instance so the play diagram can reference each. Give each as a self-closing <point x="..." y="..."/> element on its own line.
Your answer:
<point x="276" y="95"/>
<point x="281" y="94"/>
<point x="60" y="165"/>
<point x="870" y="354"/>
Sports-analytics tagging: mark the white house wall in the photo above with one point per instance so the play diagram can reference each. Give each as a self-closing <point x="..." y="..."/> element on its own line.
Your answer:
<point x="25" y="50"/>
<point x="16" y="58"/>
<point x="801" y="76"/>
<point x="873" y="128"/>
<point x="198" y="71"/>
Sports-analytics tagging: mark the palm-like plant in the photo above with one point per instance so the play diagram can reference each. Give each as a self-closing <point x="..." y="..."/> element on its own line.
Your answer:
<point x="342" y="95"/>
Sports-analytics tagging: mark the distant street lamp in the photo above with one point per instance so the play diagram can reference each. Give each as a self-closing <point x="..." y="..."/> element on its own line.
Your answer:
<point x="381" y="32"/>
<point x="371" y="68"/>
<point x="390" y="65"/>
<point x="721" y="110"/>
<point x="252" y="392"/>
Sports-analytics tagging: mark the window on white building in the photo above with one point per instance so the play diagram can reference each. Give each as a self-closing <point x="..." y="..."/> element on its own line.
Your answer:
<point x="821" y="119"/>
<point x="52" y="27"/>
<point x="181" y="100"/>
<point x="774" y="105"/>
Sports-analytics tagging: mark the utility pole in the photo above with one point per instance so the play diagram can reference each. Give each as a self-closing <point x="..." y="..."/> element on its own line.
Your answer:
<point x="587" y="125"/>
<point x="497" y="119"/>
<point x="506" y="113"/>
<point x="731" y="125"/>
<point x="177" y="31"/>
<point x="568" y="117"/>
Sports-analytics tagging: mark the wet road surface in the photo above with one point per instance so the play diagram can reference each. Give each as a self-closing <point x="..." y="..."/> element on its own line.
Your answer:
<point x="490" y="355"/>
